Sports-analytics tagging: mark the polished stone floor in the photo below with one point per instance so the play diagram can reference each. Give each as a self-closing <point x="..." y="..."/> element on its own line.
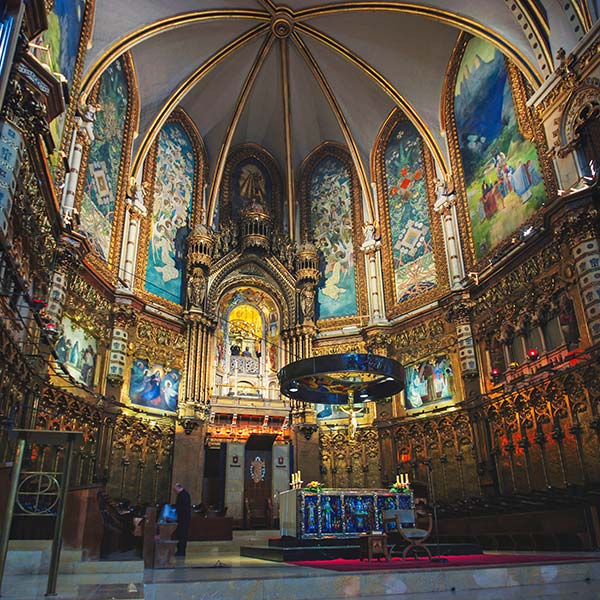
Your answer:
<point x="215" y="571"/>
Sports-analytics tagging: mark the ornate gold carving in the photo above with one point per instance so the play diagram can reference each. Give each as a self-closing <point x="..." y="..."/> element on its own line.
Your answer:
<point x="157" y="344"/>
<point x="88" y="308"/>
<point x="393" y="308"/>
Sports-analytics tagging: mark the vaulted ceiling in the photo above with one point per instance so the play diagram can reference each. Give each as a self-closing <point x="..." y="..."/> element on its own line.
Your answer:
<point x="289" y="77"/>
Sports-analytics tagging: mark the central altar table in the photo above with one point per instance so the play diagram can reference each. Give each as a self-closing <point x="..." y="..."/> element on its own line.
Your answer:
<point x="337" y="513"/>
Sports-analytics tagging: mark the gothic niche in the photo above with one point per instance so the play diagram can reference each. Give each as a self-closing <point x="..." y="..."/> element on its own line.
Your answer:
<point x="247" y="345"/>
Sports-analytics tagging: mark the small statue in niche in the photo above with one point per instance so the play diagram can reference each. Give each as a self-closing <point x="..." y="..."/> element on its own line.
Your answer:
<point x="196" y="290"/>
<point x="307" y="303"/>
<point x="568" y="321"/>
<point x="370" y="232"/>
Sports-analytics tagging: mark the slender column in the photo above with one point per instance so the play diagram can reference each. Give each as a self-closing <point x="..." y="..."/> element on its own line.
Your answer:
<point x="136" y="210"/>
<point x="445" y="206"/>
<point x="372" y="251"/>
<point x="83" y="134"/>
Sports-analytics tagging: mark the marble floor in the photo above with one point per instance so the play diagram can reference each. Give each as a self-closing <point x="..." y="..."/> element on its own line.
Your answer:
<point x="215" y="571"/>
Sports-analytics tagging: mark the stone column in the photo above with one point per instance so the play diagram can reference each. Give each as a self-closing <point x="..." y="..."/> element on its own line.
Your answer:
<point x="83" y="135"/>
<point x="445" y="206"/>
<point x="372" y="251"/>
<point x="135" y="212"/>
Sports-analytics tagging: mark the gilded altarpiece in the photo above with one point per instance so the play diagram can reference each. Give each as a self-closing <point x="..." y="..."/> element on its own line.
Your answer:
<point x="413" y="251"/>
<point x="502" y="172"/>
<point x="106" y="162"/>
<point x="331" y="217"/>
<point x="175" y="171"/>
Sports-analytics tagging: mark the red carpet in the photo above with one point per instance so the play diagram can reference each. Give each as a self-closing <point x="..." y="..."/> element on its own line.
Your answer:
<point x="472" y="560"/>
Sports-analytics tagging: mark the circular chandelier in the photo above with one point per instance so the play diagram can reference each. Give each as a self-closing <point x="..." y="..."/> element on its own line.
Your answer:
<point x="342" y="378"/>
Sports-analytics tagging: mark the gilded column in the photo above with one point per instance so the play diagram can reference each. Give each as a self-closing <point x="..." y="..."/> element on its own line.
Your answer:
<point x="83" y="134"/>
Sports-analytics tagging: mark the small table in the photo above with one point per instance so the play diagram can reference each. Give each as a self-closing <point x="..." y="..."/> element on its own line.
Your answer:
<point x="374" y="545"/>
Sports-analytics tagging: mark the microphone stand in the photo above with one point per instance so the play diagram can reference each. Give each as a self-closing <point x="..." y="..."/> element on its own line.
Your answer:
<point x="428" y="463"/>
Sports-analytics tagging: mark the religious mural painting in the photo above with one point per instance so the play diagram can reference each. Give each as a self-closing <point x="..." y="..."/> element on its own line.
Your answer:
<point x="501" y="168"/>
<point x="78" y="351"/>
<point x="407" y="205"/>
<point x="171" y="210"/>
<point x="429" y="382"/>
<point x="62" y="38"/>
<point x="154" y="386"/>
<point x="97" y="212"/>
<point x="330" y="224"/>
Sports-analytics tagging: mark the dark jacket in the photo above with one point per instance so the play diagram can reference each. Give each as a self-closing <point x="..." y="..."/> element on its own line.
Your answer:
<point x="184" y="507"/>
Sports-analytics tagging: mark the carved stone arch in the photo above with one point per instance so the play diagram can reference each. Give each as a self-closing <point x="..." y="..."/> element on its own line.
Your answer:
<point x="582" y="106"/>
<point x="265" y="277"/>
<point x="260" y="154"/>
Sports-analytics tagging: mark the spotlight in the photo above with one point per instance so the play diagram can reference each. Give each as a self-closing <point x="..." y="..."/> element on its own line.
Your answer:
<point x="294" y="387"/>
<point x="533" y="354"/>
<point x="495" y="375"/>
<point x="364" y="394"/>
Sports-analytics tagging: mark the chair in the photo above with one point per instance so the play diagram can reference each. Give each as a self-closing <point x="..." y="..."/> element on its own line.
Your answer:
<point x="405" y="522"/>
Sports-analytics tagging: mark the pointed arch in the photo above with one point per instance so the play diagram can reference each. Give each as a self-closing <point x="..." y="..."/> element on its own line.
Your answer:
<point x="493" y="139"/>
<point x="414" y="272"/>
<point x="175" y="173"/>
<point x="106" y="163"/>
<point x="333" y="220"/>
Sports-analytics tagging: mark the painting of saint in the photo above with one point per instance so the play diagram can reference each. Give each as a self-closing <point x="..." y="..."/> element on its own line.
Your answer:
<point x="429" y="382"/>
<point x="153" y="386"/>
<point x="412" y="250"/>
<point x="171" y="210"/>
<point x="250" y="182"/>
<point x="501" y="167"/>
<point x="78" y="351"/>
<point x="100" y="188"/>
<point x="62" y="37"/>
<point x="331" y="229"/>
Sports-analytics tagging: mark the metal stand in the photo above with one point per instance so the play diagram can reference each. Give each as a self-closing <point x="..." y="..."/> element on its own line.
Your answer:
<point x="439" y="559"/>
<point x="68" y="439"/>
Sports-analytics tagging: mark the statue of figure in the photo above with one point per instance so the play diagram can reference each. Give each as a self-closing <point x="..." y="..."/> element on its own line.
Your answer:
<point x="196" y="290"/>
<point x="353" y="418"/>
<point x="307" y="303"/>
<point x="370" y="232"/>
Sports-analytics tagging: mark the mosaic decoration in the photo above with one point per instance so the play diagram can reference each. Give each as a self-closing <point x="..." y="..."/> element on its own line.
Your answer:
<point x="429" y="382"/>
<point x="501" y="168"/>
<point x="412" y="249"/>
<point x="331" y="229"/>
<point x="65" y="22"/>
<point x="153" y="386"/>
<point x="250" y="180"/>
<point x="359" y="514"/>
<point x="100" y="187"/>
<point x="173" y="195"/>
<point x="78" y="351"/>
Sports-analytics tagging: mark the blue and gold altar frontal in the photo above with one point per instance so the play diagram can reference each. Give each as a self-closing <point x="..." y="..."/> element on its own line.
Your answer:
<point x="337" y="513"/>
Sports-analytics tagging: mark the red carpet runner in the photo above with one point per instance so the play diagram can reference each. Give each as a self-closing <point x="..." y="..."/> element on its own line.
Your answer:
<point x="473" y="560"/>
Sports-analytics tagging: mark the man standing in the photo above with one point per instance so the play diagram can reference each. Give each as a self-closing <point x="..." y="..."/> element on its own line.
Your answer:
<point x="183" y="506"/>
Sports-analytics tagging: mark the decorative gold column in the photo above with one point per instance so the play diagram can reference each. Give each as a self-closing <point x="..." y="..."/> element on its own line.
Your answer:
<point x="371" y="247"/>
